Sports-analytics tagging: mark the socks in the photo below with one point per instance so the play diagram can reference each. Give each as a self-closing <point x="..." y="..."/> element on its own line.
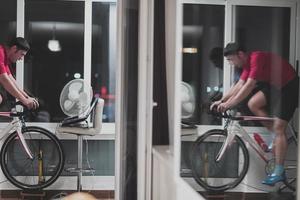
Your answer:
<point x="270" y="146"/>
<point x="278" y="171"/>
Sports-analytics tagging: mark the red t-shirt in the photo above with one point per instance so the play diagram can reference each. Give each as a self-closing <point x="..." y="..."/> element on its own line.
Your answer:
<point x="4" y="62"/>
<point x="268" y="67"/>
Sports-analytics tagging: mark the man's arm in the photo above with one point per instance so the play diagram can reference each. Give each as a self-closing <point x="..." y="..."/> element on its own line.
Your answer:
<point x="9" y="86"/>
<point x="241" y="94"/>
<point x="232" y="92"/>
<point x="13" y="80"/>
<point x="36" y="103"/>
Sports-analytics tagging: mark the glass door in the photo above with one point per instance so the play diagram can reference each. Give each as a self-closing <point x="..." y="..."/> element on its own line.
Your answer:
<point x="203" y="30"/>
<point x="270" y="28"/>
<point x="263" y="26"/>
<point x="266" y="26"/>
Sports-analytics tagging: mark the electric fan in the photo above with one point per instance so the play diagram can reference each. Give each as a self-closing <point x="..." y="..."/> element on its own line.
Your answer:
<point x="187" y="101"/>
<point x="74" y="101"/>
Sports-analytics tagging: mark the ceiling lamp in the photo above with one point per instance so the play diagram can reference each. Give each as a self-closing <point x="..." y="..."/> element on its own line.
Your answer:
<point x="53" y="44"/>
<point x="189" y="50"/>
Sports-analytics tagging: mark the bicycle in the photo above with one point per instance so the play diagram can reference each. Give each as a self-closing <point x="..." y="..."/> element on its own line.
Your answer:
<point x="31" y="157"/>
<point x="214" y="151"/>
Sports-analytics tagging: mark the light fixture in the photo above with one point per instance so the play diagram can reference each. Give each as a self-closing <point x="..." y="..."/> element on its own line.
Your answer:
<point x="189" y="50"/>
<point x="77" y="75"/>
<point x="54" y="44"/>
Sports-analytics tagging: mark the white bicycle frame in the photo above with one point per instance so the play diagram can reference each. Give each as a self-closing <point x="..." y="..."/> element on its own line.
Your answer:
<point x="15" y="125"/>
<point x="234" y="128"/>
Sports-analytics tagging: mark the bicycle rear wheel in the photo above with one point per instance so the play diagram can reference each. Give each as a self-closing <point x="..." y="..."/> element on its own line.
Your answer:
<point x="36" y="173"/>
<point x="220" y="175"/>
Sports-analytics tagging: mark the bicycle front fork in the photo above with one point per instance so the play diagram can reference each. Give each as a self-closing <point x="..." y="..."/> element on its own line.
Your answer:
<point x="24" y="143"/>
<point x="229" y="139"/>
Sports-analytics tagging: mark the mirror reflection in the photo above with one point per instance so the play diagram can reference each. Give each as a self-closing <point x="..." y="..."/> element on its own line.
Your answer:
<point x="250" y="148"/>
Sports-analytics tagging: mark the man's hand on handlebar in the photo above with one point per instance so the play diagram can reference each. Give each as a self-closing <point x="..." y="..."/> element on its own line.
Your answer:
<point x="31" y="103"/>
<point x="223" y="107"/>
<point x="217" y="110"/>
<point x="219" y="106"/>
<point x="215" y="105"/>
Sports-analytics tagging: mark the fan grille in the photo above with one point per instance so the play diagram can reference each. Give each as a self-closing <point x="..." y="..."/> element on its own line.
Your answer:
<point x="73" y="99"/>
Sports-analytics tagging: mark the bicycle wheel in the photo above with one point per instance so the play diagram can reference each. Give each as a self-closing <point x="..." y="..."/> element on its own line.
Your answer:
<point x="36" y="173"/>
<point x="220" y="175"/>
<point x="290" y="164"/>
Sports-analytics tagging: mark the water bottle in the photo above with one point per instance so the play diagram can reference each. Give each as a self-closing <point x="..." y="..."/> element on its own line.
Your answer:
<point x="260" y="141"/>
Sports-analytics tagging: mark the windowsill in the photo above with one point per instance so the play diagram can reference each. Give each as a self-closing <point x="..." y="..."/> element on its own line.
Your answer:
<point x="70" y="183"/>
<point x="107" y="132"/>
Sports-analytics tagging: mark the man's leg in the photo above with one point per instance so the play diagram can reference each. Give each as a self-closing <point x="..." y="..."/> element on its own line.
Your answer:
<point x="280" y="152"/>
<point x="257" y="105"/>
<point x="280" y="140"/>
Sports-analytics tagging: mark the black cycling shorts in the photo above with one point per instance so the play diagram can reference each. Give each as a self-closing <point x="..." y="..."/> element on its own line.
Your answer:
<point x="283" y="102"/>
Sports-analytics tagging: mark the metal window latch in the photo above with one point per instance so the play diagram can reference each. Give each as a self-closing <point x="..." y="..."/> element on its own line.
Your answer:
<point x="154" y="104"/>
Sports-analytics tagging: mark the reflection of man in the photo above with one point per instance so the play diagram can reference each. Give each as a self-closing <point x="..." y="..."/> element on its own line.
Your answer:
<point x="281" y="80"/>
<point x="14" y="51"/>
<point x="216" y="57"/>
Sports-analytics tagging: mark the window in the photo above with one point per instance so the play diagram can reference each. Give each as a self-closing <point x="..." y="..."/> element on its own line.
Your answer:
<point x="202" y="58"/>
<point x="271" y="29"/>
<point x="267" y="30"/>
<point x="8" y="15"/>
<point x="103" y="55"/>
<point x="47" y="70"/>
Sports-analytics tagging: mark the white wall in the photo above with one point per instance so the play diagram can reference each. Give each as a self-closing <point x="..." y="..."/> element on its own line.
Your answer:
<point x="165" y="184"/>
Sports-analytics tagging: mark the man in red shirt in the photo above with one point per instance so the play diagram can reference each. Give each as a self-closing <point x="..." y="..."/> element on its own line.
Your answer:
<point x="14" y="51"/>
<point x="279" y="80"/>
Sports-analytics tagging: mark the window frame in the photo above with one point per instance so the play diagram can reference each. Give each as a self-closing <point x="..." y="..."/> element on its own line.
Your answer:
<point x="229" y="33"/>
<point x="229" y="36"/>
<point x="108" y="129"/>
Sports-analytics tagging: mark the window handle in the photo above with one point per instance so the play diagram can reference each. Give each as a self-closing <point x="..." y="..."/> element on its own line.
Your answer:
<point x="297" y="67"/>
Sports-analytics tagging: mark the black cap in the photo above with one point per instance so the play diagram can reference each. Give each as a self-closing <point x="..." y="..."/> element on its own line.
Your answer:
<point x="20" y="42"/>
<point x="232" y="48"/>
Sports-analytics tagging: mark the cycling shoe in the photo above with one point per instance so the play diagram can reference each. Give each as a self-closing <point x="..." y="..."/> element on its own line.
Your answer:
<point x="273" y="179"/>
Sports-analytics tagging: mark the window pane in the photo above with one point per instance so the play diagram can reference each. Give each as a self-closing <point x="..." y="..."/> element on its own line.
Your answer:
<point x="267" y="30"/>
<point x="202" y="60"/>
<point x="8" y="12"/>
<point x="47" y="69"/>
<point x="103" y="56"/>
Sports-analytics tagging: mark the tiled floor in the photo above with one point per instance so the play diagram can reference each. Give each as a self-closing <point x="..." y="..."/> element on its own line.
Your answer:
<point x="33" y="199"/>
<point x="51" y="195"/>
<point x="250" y="196"/>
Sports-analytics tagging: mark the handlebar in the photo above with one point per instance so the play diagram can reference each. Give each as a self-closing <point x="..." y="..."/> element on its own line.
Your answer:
<point x="228" y="115"/>
<point x="16" y="113"/>
<point x="225" y="115"/>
